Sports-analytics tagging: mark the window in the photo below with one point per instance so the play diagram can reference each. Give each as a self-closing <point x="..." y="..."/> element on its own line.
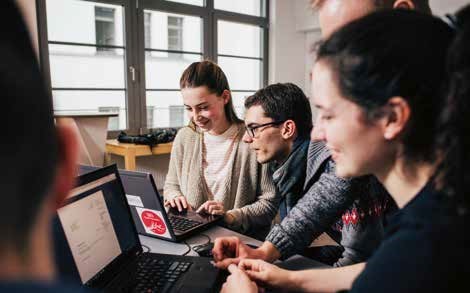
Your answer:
<point x="104" y="24"/>
<point x="99" y="57"/>
<point x="147" y="29"/>
<point x="251" y="7"/>
<point x="242" y="60"/>
<point x="166" y="60"/>
<point x="176" y="115"/>
<point x="86" y="58"/>
<point x="175" y="33"/>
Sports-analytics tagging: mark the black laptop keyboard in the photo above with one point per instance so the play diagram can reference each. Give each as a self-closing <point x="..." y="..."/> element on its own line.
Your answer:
<point x="183" y="224"/>
<point x="154" y="275"/>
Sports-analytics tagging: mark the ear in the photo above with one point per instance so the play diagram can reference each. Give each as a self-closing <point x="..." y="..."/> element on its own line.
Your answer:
<point x="396" y="117"/>
<point x="289" y="129"/>
<point x="404" y="4"/>
<point x="226" y="96"/>
<point x="66" y="170"/>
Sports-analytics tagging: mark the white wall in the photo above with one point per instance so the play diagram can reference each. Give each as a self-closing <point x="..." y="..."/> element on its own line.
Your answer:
<point x="295" y="28"/>
<point x="286" y="45"/>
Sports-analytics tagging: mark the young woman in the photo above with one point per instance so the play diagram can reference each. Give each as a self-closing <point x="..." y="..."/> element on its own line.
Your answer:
<point x="378" y="84"/>
<point x="211" y="169"/>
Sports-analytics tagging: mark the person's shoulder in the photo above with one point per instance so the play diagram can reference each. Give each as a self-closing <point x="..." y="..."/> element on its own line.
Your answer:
<point x="185" y="135"/>
<point x="187" y="131"/>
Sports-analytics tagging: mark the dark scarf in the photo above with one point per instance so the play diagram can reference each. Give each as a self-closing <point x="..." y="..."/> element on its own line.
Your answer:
<point x="289" y="176"/>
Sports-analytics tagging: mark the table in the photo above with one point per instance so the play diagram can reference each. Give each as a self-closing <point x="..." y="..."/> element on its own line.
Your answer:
<point x="295" y="262"/>
<point x="92" y="129"/>
<point x="131" y="151"/>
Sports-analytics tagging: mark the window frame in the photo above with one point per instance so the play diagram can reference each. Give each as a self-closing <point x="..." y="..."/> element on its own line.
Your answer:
<point x="134" y="47"/>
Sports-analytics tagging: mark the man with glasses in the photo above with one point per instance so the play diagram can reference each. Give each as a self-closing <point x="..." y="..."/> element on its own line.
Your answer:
<point x="278" y="120"/>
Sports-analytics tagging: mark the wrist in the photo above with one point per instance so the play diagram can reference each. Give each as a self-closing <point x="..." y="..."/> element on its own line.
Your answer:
<point x="268" y="252"/>
<point x="229" y="218"/>
<point x="292" y="281"/>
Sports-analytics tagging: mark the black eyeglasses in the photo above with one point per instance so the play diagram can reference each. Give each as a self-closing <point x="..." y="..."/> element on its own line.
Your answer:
<point x="253" y="130"/>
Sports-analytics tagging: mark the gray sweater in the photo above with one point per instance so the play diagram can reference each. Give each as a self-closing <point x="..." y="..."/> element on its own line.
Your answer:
<point x="349" y="210"/>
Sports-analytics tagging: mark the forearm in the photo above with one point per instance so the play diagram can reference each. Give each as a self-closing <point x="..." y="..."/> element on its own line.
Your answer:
<point x="171" y="188"/>
<point x="315" y="213"/>
<point x="325" y="280"/>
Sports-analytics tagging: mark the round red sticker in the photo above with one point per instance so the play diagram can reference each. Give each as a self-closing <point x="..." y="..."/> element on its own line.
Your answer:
<point x="153" y="222"/>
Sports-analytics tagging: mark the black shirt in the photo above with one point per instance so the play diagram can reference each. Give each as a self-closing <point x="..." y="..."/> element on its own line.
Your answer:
<point x="425" y="249"/>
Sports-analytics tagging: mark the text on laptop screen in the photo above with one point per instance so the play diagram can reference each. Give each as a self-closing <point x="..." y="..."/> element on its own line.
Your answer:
<point x="96" y="225"/>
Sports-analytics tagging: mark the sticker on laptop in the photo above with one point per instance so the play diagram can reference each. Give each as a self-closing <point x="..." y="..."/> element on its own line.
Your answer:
<point x="153" y="222"/>
<point x="134" y="200"/>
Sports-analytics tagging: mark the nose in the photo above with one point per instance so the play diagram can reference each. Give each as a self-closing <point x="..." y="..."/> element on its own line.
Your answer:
<point x="247" y="138"/>
<point x="196" y="115"/>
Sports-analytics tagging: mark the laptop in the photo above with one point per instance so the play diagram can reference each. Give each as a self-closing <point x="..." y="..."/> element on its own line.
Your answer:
<point x="97" y="245"/>
<point x="151" y="217"/>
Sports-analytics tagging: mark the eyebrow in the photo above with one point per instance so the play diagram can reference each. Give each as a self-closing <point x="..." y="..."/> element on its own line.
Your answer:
<point x="198" y="105"/>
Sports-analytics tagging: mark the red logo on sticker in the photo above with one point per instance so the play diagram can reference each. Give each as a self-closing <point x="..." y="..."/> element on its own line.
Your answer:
<point x="153" y="222"/>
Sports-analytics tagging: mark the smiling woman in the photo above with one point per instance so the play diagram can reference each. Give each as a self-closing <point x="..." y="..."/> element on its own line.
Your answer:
<point x="211" y="169"/>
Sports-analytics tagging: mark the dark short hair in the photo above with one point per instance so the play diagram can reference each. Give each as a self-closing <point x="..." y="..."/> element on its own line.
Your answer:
<point x="28" y="141"/>
<point x="283" y="101"/>
<point x="208" y="74"/>
<point x="388" y="54"/>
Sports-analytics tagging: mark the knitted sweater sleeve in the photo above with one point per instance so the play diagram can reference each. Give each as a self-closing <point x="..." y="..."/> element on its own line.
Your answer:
<point x="171" y="189"/>
<point x="320" y="207"/>
<point x="261" y="212"/>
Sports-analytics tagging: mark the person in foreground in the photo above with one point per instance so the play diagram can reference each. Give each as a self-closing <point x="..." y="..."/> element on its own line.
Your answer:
<point x="278" y="120"/>
<point x="379" y="108"/>
<point x="211" y="170"/>
<point x="33" y="183"/>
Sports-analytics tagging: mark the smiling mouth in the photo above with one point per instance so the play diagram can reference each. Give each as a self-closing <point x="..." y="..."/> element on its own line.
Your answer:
<point x="201" y="124"/>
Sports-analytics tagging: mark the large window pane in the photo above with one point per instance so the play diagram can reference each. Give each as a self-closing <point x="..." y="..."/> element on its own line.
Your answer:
<point x="76" y="66"/>
<point x="169" y="31"/>
<point x="251" y="7"/>
<point x="242" y="74"/>
<point x="247" y="43"/>
<point x="165" y="109"/>
<point x="84" y="22"/>
<point x="192" y="2"/>
<point x="162" y="71"/>
<point x="86" y="79"/>
<point x="70" y="102"/>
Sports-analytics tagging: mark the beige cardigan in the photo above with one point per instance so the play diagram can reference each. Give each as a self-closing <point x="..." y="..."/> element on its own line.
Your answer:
<point x="250" y="194"/>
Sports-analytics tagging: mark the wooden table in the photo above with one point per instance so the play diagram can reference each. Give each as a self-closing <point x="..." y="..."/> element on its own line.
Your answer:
<point x="130" y="151"/>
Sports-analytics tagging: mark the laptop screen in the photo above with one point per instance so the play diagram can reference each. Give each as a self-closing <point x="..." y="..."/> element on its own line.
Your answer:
<point x="94" y="232"/>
